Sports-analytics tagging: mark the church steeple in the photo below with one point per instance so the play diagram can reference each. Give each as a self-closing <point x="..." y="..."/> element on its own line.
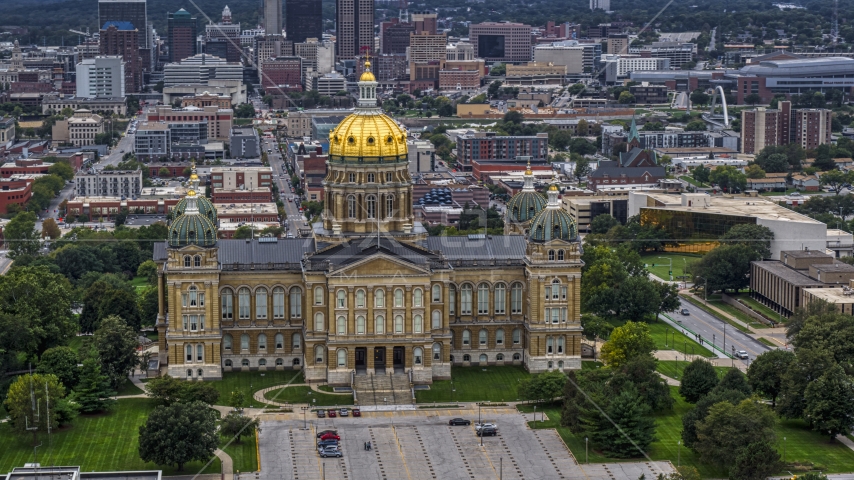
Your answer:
<point x="634" y="137"/>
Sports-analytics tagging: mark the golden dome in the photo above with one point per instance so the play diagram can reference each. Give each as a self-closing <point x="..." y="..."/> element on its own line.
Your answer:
<point x="368" y="134"/>
<point x="367" y="76"/>
<point x="553" y="188"/>
<point x="191" y="193"/>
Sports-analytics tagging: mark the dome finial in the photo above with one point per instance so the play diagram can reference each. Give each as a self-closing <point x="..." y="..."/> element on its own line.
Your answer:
<point x="528" y="185"/>
<point x="553" y="193"/>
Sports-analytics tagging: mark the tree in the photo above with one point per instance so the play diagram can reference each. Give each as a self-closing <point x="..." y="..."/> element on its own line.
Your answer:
<point x="834" y="180"/>
<point x="699" y="97"/>
<point x="28" y="388"/>
<point x="244" y="110"/>
<point x="164" y="172"/>
<point x="582" y="167"/>
<point x="178" y="433"/>
<point x="765" y="373"/>
<point x="757" y="461"/>
<point x="21" y="235"/>
<point x="808" y="367"/>
<point x="165" y="389"/>
<point x="603" y="223"/>
<point x="628" y="429"/>
<point x="121" y="303"/>
<point x="544" y="386"/>
<point x="244" y="231"/>
<point x="754" y="171"/>
<point x="728" y="178"/>
<point x="757" y="237"/>
<point x="725" y="267"/>
<point x="148" y="269"/>
<point x="237" y="399"/>
<point x="734" y="379"/>
<point x="236" y="426"/>
<point x="199" y="392"/>
<point x="628" y="341"/>
<point x="829" y="403"/>
<point x="752" y="98"/>
<point x="93" y="392"/>
<point x="696" y="126"/>
<point x="626" y="98"/>
<point x="701" y="173"/>
<point x="668" y="297"/>
<point x="697" y="414"/>
<point x="698" y="379"/>
<point x="638" y="299"/>
<point x="62" y="363"/>
<point x="772" y="162"/>
<point x="728" y="429"/>
<point x="62" y="169"/>
<point x="498" y="70"/>
<point x="493" y="88"/>
<point x="116" y="343"/>
<point x="50" y="229"/>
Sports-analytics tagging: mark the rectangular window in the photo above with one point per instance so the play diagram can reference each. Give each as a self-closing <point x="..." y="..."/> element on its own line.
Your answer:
<point x="201" y="299"/>
<point x="465" y="302"/>
<point x="201" y="322"/>
<point x="194" y="323"/>
<point x="261" y="306"/>
<point x="482" y="302"/>
<point x="184" y="300"/>
<point x="185" y="321"/>
<point x="452" y="301"/>
<point x="296" y="304"/>
<point x="499" y="301"/>
<point x="548" y="292"/>
<point x="555" y="315"/>
<point x="516" y="300"/>
<point x="563" y="293"/>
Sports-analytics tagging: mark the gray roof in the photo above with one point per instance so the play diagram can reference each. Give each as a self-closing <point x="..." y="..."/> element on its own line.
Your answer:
<point x="802" y="67"/>
<point x="493" y="247"/>
<point x="357" y="249"/>
<point x="615" y="171"/>
<point x="246" y="252"/>
<point x="803" y="254"/>
<point x="787" y="274"/>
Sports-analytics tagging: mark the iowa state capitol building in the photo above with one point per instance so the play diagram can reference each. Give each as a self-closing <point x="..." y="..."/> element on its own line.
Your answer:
<point x="369" y="292"/>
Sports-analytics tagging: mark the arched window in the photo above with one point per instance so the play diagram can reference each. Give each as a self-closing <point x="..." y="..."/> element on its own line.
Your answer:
<point x="243" y="302"/>
<point x="319" y="354"/>
<point x="417" y="355"/>
<point x="417" y="324"/>
<point x="398" y="324"/>
<point x="551" y="255"/>
<point x="228" y="363"/>
<point x="437" y="320"/>
<point x="189" y="351"/>
<point x="465" y="300"/>
<point x="296" y="341"/>
<point x="560" y="364"/>
<point x="261" y="303"/>
<point x="280" y="341"/>
<point x="560" y="344"/>
<point x="379" y="298"/>
<point x="296" y="302"/>
<point x="417" y="298"/>
<point x="452" y="300"/>
<point x="360" y="298"/>
<point x="371" y="204"/>
<point x="187" y="261"/>
<point x="517" y="357"/>
<point x="379" y="325"/>
<point x="499" y="336"/>
<point x="549" y="345"/>
<point x="551" y="365"/>
<point x="517" y="336"/>
<point x="483" y="358"/>
<point x="340" y="299"/>
<point x="189" y="373"/>
<point x="516" y="298"/>
<point x="467" y="358"/>
<point x="466" y="338"/>
<point x="278" y="302"/>
<point x="193" y="297"/>
<point x="318" y="295"/>
<point x="227" y="341"/>
<point x="244" y="362"/>
<point x="437" y="294"/>
<point x="262" y="342"/>
<point x="483" y="299"/>
<point x="500" y="299"/>
<point x="351" y="204"/>
<point x="342" y="325"/>
<point x="280" y="362"/>
<point x="262" y="362"/>
<point x="318" y="322"/>
<point x="360" y="325"/>
<point x="482" y="337"/>
<point x="398" y="298"/>
<point x="499" y="357"/>
<point x="197" y="261"/>
<point x="389" y="206"/>
<point x="244" y="342"/>
<point x="227" y="304"/>
<point x="437" y="351"/>
<point x="342" y="358"/>
<point x="560" y="258"/>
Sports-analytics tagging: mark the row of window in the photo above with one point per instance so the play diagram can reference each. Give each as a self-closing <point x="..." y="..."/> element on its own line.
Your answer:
<point x="261" y="363"/>
<point x="484" y="358"/>
<point x="370" y="207"/>
<point x="244" y="303"/>
<point x="483" y="337"/>
<point x="380" y="326"/>
<point x="278" y="342"/>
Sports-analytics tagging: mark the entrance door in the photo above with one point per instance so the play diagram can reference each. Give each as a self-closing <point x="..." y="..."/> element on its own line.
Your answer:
<point x="361" y="360"/>
<point x="398" y="359"/>
<point x="379" y="360"/>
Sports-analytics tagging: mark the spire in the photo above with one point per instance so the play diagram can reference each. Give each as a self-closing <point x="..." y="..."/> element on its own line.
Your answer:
<point x="529" y="179"/>
<point x="633" y="131"/>
<point x="194" y="178"/>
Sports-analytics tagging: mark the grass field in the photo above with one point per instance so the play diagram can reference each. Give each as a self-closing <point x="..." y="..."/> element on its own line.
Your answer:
<point x="304" y="394"/>
<point x="79" y="343"/>
<point x="682" y="342"/>
<point x="474" y="384"/>
<point x="243" y="454"/>
<point x="719" y="303"/>
<point x="251" y="382"/>
<point x="140" y="283"/>
<point x="778" y="194"/>
<point x="661" y="268"/>
<point x="100" y="442"/>
<point x="128" y="388"/>
<point x="771" y="314"/>
<point x="693" y="182"/>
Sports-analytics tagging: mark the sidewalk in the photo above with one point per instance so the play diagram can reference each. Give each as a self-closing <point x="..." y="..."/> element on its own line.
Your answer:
<point x="771" y="334"/>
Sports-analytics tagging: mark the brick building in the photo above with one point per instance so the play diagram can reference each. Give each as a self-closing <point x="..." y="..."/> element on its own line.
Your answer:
<point x="15" y="191"/>
<point x="282" y="72"/>
<point x="501" y="42"/>
<point x="395" y="36"/>
<point x="242" y="195"/>
<point x="457" y="79"/>
<point x="240" y="177"/>
<point x="762" y="127"/>
<point x="218" y="119"/>
<point x="486" y="147"/>
<point x="24" y="167"/>
<point x="122" y="39"/>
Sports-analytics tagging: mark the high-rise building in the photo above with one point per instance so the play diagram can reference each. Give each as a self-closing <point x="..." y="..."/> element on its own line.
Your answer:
<point x="273" y="17"/>
<point x="183" y="29"/>
<point x="304" y="19"/>
<point x="501" y="42"/>
<point x="394" y="36"/>
<point x="425" y="47"/>
<point x="102" y="76"/>
<point x="600" y="5"/>
<point x="618" y="44"/>
<point x="425" y="22"/>
<point x="764" y="127"/>
<point x="120" y="38"/>
<point x="133" y="11"/>
<point x="223" y="39"/>
<point x="811" y="127"/>
<point x="355" y="28"/>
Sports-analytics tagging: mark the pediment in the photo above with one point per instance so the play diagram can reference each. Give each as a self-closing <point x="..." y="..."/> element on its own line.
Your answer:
<point x="381" y="265"/>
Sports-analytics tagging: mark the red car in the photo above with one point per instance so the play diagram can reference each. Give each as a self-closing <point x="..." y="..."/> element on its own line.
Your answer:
<point x="330" y="436"/>
<point x="332" y="413"/>
<point x="357" y="412"/>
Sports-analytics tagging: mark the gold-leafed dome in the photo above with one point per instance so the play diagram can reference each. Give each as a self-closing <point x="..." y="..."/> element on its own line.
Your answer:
<point x="367" y="76"/>
<point x="373" y="136"/>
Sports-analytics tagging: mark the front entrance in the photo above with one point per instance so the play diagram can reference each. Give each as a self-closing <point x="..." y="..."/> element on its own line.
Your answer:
<point x="379" y="360"/>
<point x="361" y="360"/>
<point x="398" y="359"/>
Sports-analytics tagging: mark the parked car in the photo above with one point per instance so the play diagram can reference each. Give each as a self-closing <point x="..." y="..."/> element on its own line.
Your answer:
<point x="685" y="311"/>
<point x="332" y="414"/>
<point x="320" y="434"/>
<point x="329" y="452"/>
<point x="357" y="412"/>
<point x="321" y="414"/>
<point x="487" y="432"/>
<point x="327" y="443"/>
<point x="330" y="436"/>
<point x="344" y="412"/>
<point x="459" y="421"/>
<point x="478" y="426"/>
<point x="742" y="355"/>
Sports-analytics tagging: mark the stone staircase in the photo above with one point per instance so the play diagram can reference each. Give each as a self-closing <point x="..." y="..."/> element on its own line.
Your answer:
<point x="382" y="389"/>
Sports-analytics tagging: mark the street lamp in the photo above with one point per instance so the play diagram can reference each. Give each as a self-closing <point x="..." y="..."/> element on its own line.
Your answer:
<point x="586" y="460"/>
<point x="784" y="449"/>
<point x="678" y="453"/>
<point x="669" y="267"/>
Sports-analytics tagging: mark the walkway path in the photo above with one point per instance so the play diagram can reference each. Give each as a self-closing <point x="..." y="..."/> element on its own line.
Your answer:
<point x="227" y="463"/>
<point x="259" y="396"/>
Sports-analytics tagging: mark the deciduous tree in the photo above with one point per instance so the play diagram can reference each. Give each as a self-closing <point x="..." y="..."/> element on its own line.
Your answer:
<point x="728" y="430"/>
<point x="628" y="341"/>
<point x="237" y="426"/>
<point x="35" y="388"/>
<point x="544" y="386"/>
<point x="734" y="379"/>
<point x="765" y="373"/>
<point x="62" y="363"/>
<point x="178" y="434"/>
<point x="116" y="343"/>
<point x="698" y="379"/>
<point x="21" y="236"/>
<point x="829" y="403"/>
<point x="50" y="229"/>
<point x="757" y="461"/>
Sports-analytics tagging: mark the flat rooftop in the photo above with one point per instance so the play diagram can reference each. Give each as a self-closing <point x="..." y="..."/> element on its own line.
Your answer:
<point x="247" y="208"/>
<point x="778" y="269"/>
<point x="833" y="295"/>
<point x="741" y="206"/>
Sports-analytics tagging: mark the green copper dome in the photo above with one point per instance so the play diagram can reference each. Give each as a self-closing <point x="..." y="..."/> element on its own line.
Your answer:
<point x="524" y="206"/>
<point x="192" y="229"/>
<point x="551" y="224"/>
<point x="206" y="208"/>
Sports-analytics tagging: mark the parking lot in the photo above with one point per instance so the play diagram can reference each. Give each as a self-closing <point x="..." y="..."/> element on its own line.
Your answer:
<point x="420" y="445"/>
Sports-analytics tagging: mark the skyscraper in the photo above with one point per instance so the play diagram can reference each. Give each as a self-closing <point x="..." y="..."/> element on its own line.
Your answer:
<point x="355" y="27"/>
<point x="183" y="29"/>
<point x="273" y="17"/>
<point x="120" y="38"/>
<point x="133" y="11"/>
<point x="304" y="20"/>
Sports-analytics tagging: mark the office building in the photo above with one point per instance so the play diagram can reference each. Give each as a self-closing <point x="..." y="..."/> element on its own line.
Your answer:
<point x="535" y="73"/>
<point x="152" y="142"/>
<point x="354" y="20"/>
<point x="282" y="73"/>
<point x="273" y="17"/>
<point x="102" y="76"/>
<point x="811" y="127"/>
<point x="395" y="36"/>
<point x="618" y="44"/>
<point x="317" y="57"/>
<point x="54" y="104"/>
<point x="584" y="209"/>
<point x="121" y="39"/>
<point x="79" y="130"/>
<point x="200" y="70"/>
<point x="459" y="52"/>
<point x="329" y="83"/>
<point x="424" y="47"/>
<point x="304" y="19"/>
<point x="678" y="53"/>
<point x="422" y="156"/>
<point x="463" y="80"/>
<point x="244" y="143"/>
<point x="223" y="39"/>
<point x="483" y="153"/>
<point x="425" y="22"/>
<point x="182" y="30"/>
<point x="108" y="183"/>
<point x="271" y="46"/>
<point x="501" y="42"/>
<point x="646" y="93"/>
<point x="219" y="120"/>
<point x="600" y="5"/>
<point x="7" y="132"/>
<point x="578" y="57"/>
<point x="131" y="11"/>
<point x="232" y="178"/>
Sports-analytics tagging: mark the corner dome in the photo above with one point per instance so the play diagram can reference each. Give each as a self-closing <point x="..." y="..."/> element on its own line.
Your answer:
<point x="553" y="224"/>
<point x="192" y="229"/>
<point x="205" y="206"/>
<point x="525" y="206"/>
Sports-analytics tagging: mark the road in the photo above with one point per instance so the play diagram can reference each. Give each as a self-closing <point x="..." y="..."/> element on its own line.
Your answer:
<point x="125" y="145"/>
<point x="280" y="176"/>
<point x="712" y="328"/>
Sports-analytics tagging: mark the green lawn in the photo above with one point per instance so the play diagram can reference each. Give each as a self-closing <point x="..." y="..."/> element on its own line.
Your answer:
<point x="79" y="343"/>
<point x="679" y="262"/>
<point x="475" y="384"/>
<point x="771" y="314"/>
<point x="674" y="369"/>
<point x="243" y="454"/>
<point x="778" y="194"/>
<point x="682" y="342"/>
<point x="251" y="382"/>
<point x="719" y="303"/>
<point x="304" y="394"/>
<point x="128" y="388"/>
<point x="693" y="182"/>
<point x="715" y="314"/>
<point x="102" y="442"/>
<point x="243" y="121"/>
<point x="141" y="283"/>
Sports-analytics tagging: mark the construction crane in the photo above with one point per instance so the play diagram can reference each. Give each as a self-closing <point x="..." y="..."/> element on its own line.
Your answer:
<point x="85" y="34"/>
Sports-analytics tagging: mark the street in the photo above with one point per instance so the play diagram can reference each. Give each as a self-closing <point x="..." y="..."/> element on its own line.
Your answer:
<point x="280" y="176"/>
